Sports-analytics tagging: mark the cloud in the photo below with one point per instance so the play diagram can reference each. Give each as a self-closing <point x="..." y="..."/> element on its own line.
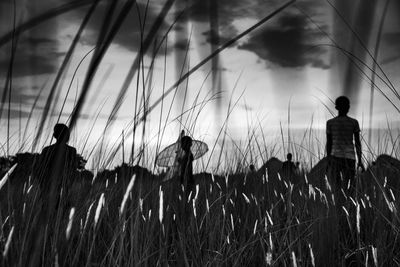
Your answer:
<point x="129" y="34"/>
<point x="229" y="10"/>
<point x="213" y="38"/>
<point x="287" y="41"/>
<point x="182" y="45"/>
<point x="34" y="56"/>
<point x="221" y="14"/>
<point x="15" y="114"/>
<point x="37" y="48"/>
<point x="290" y="43"/>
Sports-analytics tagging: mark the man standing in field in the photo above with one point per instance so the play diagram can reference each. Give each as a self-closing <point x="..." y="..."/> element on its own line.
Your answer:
<point x="340" y="133"/>
<point x="342" y="137"/>
<point x="288" y="169"/>
<point x="56" y="167"/>
<point x="54" y="171"/>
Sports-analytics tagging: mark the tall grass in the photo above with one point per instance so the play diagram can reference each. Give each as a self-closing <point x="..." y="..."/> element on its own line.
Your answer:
<point x="237" y="219"/>
<point x="130" y="217"/>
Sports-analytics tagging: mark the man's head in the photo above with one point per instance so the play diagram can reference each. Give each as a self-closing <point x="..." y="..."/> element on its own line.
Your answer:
<point x="342" y="104"/>
<point x="61" y="133"/>
<point x="289" y="156"/>
<point x="186" y="143"/>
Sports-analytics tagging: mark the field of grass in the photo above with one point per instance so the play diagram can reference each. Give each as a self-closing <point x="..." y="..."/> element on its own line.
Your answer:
<point x="234" y="217"/>
<point x="129" y="217"/>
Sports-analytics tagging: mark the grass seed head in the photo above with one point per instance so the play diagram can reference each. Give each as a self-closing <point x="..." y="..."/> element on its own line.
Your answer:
<point x="29" y="189"/>
<point x="255" y="227"/>
<point x="194" y="209"/>
<point x="358" y="217"/>
<point x="268" y="258"/>
<point x="294" y="260"/>
<point x="375" y="255"/>
<point x="98" y="209"/>
<point x="70" y="221"/>
<point x="197" y="191"/>
<point x="88" y="215"/>
<point x="246" y="198"/>
<point x="327" y="184"/>
<point x="8" y="242"/>
<point x="311" y="255"/>
<point x="141" y="205"/>
<point x="7" y="175"/>
<point x="391" y="193"/>
<point x="126" y="195"/>
<point x="161" y="205"/>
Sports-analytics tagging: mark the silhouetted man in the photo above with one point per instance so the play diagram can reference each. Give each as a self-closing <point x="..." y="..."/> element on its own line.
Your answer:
<point x="341" y="131"/>
<point x="288" y="167"/>
<point x="343" y="135"/>
<point x="54" y="171"/>
<point x="57" y="164"/>
<point x="186" y="165"/>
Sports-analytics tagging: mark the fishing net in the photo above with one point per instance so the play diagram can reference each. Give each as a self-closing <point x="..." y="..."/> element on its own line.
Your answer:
<point x="166" y="158"/>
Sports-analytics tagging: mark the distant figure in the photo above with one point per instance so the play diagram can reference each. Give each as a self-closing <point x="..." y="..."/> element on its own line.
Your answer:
<point x="53" y="170"/>
<point x="252" y="168"/>
<point x="340" y="133"/>
<point x="288" y="169"/>
<point x="297" y="166"/>
<point x="185" y="160"/>
<point x="56" y="165"/>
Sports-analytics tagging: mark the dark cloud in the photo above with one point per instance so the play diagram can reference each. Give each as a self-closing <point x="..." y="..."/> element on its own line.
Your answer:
<point x="34" y="56"/>
<point x="229" y="10"/>
<point x="129" y="35"/>
<point x="182" y="45"/>
<point x="40" y="41"/>
<point x="221" y="14"/>
<point x="287" y="41"/>
<point x="215" y="38"/>
<point x="37" y="48"/>
<point x="15" y="114"/>
<point x="292" y="43"/>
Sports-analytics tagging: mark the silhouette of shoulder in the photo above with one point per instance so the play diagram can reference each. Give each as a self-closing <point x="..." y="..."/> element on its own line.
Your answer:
<point x="59" y="148"/>
<point x="57" y="154"/>
<point x="288" y="165"/>
<point x="342" y="124"/>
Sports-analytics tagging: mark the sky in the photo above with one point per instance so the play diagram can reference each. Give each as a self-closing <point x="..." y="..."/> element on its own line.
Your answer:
<point x="101" y="72"/>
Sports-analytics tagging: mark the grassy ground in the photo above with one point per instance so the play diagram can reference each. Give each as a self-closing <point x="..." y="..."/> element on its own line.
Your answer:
<point x="244" y="219"/>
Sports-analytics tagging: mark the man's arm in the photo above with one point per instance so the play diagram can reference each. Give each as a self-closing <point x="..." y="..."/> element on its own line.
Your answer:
<point x="358" y="149"/>
<point x="75" y="160"/>
<point x="328" y="144"/>
<point x="328" y="139"/>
